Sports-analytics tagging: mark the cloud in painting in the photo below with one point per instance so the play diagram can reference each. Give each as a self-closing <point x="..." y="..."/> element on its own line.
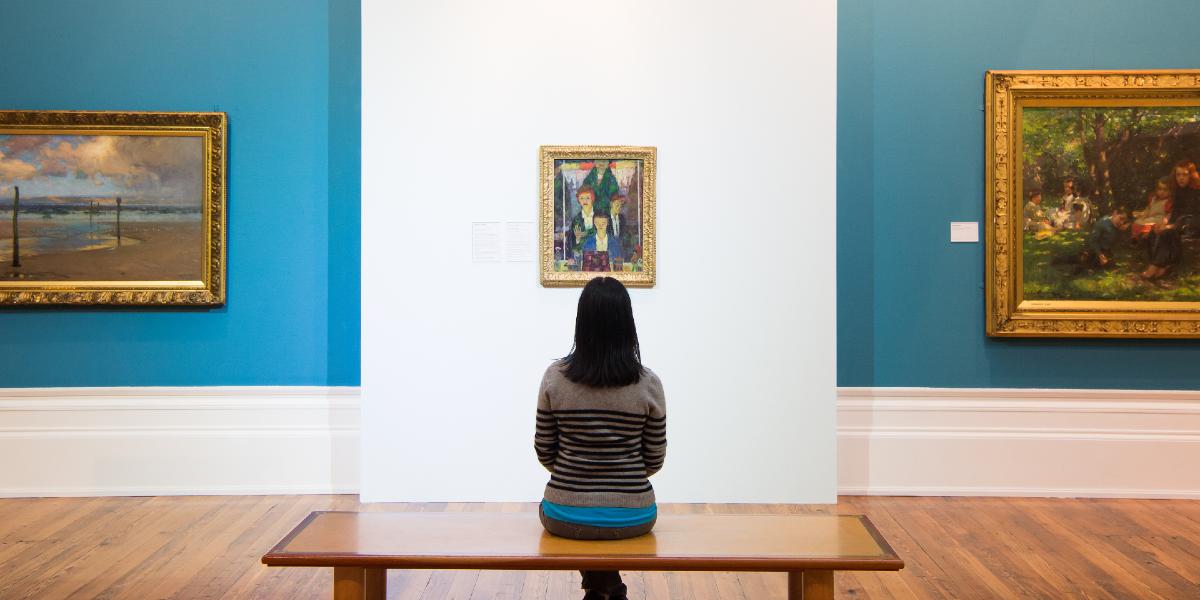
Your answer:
<point x="167" y="168"/>
<point x="159" y="169"/>
<point x="15" y="169"/>
<point x="15" y="145"/>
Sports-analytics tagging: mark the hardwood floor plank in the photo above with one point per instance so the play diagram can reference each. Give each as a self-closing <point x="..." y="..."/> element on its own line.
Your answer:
<point x="728" y="587"/>
<point x="561" y="584"/>
<point x="75" y="546"/>
<point x="654" y="585"/>
<point x="763" y="586"/>
<point x="957" y="548"/>
<point x="534" y="585"/>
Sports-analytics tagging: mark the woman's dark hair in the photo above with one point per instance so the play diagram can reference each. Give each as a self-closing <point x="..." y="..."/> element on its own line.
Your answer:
<point x="606" y="351"/>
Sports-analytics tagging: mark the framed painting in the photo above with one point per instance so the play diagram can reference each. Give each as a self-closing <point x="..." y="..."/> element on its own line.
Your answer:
<point x="112" y="208"/>
<point x="1093" y="203"/>
<point x="597" y="214"/>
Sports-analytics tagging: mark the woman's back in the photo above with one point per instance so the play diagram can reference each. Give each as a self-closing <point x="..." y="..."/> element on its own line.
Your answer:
<point x="601" y="432"/>
<point x="600" y="444"/>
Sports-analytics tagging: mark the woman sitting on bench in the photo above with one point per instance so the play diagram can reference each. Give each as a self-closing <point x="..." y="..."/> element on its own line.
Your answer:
<point x="601" y="432"/>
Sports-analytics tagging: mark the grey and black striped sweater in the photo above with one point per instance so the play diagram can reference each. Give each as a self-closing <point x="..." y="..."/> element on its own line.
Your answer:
<point x="600" y="444"/>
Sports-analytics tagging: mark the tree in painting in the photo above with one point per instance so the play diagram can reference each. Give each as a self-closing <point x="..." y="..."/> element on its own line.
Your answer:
<point x="1110" y="203"/>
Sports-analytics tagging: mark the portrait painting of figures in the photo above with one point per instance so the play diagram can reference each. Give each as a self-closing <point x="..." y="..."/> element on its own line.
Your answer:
<point x="597" y="214"/>
<point x="1093" y="203"/>
<point x="122" y="216"/>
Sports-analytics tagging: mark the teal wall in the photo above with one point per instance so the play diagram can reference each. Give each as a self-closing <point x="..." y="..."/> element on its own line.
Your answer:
<point x="287" y="72"/>
<point x="345" y="207"/>
<point x="910" y="160"/>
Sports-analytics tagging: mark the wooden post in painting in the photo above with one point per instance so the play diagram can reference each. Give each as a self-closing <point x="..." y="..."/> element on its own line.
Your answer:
<point x="16" y="262"/>
<point x="118" y="220"/>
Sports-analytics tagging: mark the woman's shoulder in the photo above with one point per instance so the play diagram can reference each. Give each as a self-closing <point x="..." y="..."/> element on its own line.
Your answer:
<point x="554" y="371"/>
<point x="651" y="381"/>
<point x="649" y="375"/>
<point x="653" y="393"/>
<point x="556" y="374"/>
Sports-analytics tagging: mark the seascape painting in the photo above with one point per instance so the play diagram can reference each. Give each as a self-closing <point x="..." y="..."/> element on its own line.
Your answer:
<point x="597" y="214"/>
<point x="1110" y="203"/>
<point x="102" y="208"/>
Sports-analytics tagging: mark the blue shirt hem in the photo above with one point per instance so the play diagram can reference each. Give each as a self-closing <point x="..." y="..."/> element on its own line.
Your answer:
<point x="600" y="516"/>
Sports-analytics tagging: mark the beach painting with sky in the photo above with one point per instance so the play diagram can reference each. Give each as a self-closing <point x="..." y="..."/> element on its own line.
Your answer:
<point x="101" y="208"/>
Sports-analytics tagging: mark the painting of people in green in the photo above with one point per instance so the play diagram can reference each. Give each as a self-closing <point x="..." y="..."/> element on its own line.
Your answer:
<point x="597" y="215"/>
<point x="1111" y="203"/>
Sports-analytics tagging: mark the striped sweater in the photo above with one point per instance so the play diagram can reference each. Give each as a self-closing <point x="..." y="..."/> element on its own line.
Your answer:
<point x="600" y="444"/>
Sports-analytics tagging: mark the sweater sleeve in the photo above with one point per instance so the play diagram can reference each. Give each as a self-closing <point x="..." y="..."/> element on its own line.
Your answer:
<point x="545" y="437"/>
<point x="654" y="434"/>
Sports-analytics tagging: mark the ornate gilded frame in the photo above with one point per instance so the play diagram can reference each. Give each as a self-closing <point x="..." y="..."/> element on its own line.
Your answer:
<point x="1008" y="313"/>
<point x="547" y="155"/>
<point x="210" y="289"/>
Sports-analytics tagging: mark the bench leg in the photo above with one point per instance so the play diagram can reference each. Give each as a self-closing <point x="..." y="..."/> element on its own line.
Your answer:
<point x="355" y="583"/>
<point x="347" y="583"/>
<point x="810" y="585"/>
<point x="375" y="584"/>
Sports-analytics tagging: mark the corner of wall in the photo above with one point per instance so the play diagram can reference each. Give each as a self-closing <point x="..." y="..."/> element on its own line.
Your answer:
<point x="345" y="190"/>
<point x="855" y="194"/>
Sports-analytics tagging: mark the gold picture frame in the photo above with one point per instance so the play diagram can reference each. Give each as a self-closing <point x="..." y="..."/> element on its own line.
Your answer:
<point x="572" y="250"/>
<point x="170" y="168"/>
<point x="1121" y="300"/>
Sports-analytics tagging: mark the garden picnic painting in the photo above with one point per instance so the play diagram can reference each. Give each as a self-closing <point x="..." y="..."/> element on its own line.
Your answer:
<point x="1111" y="203"/>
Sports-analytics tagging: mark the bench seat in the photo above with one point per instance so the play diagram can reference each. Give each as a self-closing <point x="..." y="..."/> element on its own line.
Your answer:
<point x="361" y="546"/>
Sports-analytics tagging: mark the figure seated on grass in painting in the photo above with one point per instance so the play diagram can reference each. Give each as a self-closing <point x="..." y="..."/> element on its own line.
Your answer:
<point x="1165" y="243"/>
<point x="1156" y="213"/>
<point x="1036" y="221"/>
<point x="1164" y="250"/>
<point x="1069" y="196"/>
<point x="1074" y="211"/>
<point x="1186" y="205"/>
<point x="1076" y="218"/>
<point x="1103" y="240"/>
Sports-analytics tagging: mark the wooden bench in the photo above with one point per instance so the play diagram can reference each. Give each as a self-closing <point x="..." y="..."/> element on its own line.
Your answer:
<point x="362" y="546"/>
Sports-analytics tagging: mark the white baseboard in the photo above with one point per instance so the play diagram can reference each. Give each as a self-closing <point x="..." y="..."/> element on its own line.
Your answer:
<point x="891" y="441"/>
<point x="178" y="441"/>
<point x="1019" y="442"/>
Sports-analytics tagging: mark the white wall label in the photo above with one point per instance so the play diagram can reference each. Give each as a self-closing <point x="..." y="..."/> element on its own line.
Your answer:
<point x="485" y="241"/>
<point x="964" y="231"/>
<point x="520" y="241"/>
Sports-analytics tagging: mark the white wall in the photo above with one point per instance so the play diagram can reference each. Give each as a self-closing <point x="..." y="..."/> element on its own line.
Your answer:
<point x="739" y="98"/>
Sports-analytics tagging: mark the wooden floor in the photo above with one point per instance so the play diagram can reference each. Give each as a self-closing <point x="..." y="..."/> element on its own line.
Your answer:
<point x="209" y="547"/>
